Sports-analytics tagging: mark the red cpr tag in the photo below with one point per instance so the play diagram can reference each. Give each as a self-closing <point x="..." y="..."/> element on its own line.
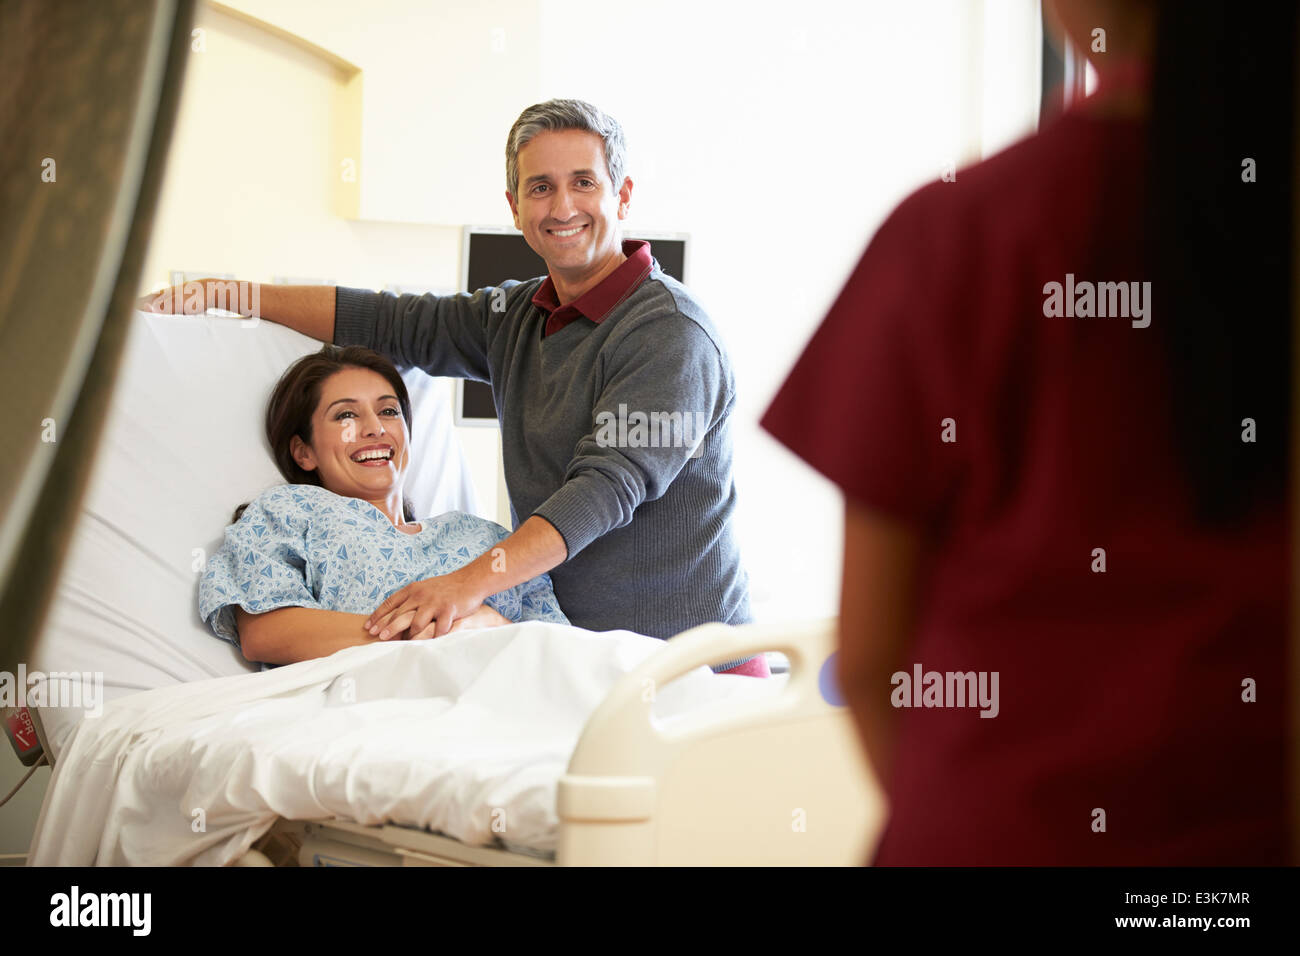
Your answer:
<point x="22" y="734"/>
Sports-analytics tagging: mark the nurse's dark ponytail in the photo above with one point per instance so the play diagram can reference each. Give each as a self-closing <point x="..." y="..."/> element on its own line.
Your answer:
<point x="1222" y="113"/>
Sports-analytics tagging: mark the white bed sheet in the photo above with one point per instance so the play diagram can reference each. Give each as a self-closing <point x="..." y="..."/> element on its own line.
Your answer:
<point x="454" y="734"/>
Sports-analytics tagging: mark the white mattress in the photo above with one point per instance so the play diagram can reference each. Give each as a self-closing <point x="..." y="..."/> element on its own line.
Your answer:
<point x="455" y="734"/>
<point x="183" y="445"/>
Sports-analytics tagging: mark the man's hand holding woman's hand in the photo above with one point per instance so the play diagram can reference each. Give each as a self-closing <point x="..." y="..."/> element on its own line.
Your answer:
<point x="431" y="608"/>
<point x="485" y="616"/>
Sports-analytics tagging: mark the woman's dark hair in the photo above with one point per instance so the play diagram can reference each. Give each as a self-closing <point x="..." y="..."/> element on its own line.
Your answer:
<point x="296" y="395"/>
<point x="1222" y="114"/>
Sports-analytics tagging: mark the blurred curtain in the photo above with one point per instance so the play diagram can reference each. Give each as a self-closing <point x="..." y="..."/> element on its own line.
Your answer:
<point x="88" y="95"/>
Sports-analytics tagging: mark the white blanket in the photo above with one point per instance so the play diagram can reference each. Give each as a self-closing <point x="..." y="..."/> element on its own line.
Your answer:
<point x="453" y="734"/>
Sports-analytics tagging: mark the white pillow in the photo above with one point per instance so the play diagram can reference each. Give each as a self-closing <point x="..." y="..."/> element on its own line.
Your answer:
<point x="183" y="445"/>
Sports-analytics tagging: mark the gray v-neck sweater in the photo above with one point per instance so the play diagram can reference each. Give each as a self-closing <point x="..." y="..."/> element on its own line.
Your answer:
<point x="588" y="440"/>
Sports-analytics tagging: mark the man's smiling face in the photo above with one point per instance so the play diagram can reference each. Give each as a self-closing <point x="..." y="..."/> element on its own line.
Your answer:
<point x="567" y="207"/>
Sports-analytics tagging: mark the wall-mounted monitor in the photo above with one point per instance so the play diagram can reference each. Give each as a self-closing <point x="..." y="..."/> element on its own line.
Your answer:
<point x="492" y="254"/>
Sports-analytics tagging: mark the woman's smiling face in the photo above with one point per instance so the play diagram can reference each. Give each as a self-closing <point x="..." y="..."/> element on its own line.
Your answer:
<point x="357" y="413"/>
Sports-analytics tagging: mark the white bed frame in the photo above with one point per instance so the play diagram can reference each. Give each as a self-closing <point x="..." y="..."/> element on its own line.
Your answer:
<point x="775" y="782"/>
<point x="783" y="782"/>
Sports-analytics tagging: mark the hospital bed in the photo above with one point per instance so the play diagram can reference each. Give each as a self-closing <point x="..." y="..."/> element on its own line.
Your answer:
<point x="773" y="775"/>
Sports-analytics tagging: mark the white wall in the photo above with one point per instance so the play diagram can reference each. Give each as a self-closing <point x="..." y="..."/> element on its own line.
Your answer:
<point x="778" y="135"/>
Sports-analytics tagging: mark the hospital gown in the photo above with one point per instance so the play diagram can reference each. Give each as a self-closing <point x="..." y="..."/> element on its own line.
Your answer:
<point x="305" y="546"/>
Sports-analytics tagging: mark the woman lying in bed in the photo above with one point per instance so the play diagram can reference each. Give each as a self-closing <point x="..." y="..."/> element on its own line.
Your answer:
<point x="304" y="564"/>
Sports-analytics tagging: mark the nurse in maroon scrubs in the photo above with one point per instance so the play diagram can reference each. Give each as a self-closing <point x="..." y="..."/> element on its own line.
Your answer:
<point x="1055" y="396"/>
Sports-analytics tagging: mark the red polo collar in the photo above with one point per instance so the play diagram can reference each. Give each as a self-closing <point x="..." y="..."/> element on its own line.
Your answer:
<point x="599" y="301"/>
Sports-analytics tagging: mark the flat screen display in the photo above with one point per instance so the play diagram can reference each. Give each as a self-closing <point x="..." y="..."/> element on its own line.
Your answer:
<point x="493" y="256"/>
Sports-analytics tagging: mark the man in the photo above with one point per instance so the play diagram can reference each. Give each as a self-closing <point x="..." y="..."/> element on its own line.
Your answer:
<point x="634" y="523"/>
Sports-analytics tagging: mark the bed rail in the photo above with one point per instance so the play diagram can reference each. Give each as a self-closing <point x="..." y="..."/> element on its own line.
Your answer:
<point x="779" y="781"/>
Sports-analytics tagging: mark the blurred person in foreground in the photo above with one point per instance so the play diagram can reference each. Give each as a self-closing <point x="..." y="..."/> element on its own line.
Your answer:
<point x="1077" y="489"/>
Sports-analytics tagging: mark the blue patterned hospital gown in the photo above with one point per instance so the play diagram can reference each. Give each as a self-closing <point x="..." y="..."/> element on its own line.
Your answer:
<point x="305" y="546"/>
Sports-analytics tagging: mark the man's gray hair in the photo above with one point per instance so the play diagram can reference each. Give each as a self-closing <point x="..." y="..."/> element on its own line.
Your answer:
<point x="560" y="115"/>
